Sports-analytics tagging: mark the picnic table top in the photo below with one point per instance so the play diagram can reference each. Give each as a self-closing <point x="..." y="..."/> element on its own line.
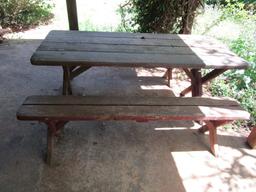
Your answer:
<point x="134" y="50"/>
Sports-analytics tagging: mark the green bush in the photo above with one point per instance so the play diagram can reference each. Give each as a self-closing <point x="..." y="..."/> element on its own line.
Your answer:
<point x="240" y="37"/>
<point x="167" y="16"/>
<point x="23" y="14"/>
<point x="240" y="84"/>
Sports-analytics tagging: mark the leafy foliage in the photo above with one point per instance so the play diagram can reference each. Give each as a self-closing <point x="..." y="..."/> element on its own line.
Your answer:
<point x="249" y="5"/>
<point x="165" y="17"/>
<point x="240" y="84"/>
<point x="22" y="14"/>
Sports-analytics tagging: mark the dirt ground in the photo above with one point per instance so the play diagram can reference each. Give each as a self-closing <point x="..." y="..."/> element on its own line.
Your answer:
<point x="110" y="156"/>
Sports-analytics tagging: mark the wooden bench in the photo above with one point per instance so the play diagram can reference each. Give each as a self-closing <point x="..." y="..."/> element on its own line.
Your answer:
<point x="56" y="111"/>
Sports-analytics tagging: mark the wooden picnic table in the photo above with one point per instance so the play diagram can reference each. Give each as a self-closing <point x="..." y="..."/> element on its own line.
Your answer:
<point x="77" y="51"/>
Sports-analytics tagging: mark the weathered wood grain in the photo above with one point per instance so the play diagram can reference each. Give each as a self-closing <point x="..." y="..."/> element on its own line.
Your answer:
<point x="136" y="41"/>
<point x="130" y="101"/>
<point x="123" y="48"/>
<point x="114" y="59"/>
<point x="114" y="111"/>
<point x="73" y="34"/>
<point x="56" y="111"/>
<point x="134" y="60"/>
<point x="131" y="50"/>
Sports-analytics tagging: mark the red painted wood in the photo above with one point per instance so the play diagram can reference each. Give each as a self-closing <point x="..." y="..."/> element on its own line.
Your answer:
<point x="251" y="139"/>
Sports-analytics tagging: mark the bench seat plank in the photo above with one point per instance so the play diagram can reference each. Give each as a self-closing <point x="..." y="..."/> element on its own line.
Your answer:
<point x="56" y="111"/>
<point x="129" y="108"/>
<point x="119" y="100"/>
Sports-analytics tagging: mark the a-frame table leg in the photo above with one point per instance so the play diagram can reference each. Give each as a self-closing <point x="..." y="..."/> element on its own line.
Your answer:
<point x="169" y="76"/>
<point x="196" y="83"/>
<point x="209" y="76"/>
<point x="67" y="90"/>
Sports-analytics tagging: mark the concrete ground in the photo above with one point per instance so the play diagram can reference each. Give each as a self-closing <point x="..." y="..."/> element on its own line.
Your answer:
<point x="109" y="156"/>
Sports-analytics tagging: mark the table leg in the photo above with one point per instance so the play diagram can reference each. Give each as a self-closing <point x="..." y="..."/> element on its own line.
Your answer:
<point x="196" y="83"/>
<point x="67" y="90"/>
<point x="211" y="75"/>
<point x="169" y="76"/>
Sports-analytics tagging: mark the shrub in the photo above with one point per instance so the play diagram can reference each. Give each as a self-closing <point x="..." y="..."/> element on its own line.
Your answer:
<point x="240" y="84"/>
<point x="240" y="37"/>
<point x="22" y="14"/>
<point x="162" y="17"/>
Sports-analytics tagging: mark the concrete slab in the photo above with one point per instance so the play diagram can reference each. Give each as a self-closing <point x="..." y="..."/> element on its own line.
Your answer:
<point x="109" y="156"/>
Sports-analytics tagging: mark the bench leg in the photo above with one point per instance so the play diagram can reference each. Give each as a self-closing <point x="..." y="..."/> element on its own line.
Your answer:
<point x="213" y="138"/>
<point x="211" y="126"/>
<point x="51" y="131"/>
<point x="54" y="129"/>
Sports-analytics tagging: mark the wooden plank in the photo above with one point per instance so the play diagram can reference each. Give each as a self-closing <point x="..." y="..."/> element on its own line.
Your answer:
<point x="137" y="113"/>
<point x="115" y="59"/>
<point x="71" y="34"/>
<point x="135" y="60"/>
<point x="130" y="101"/>
<point x="131" y="50"/>
<point x="135" y="41"/>
<point x="63" y="46"/>
<point x="72" y="14"/>
<point x="67" y="34"/>
<point x="133" y="38"/>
